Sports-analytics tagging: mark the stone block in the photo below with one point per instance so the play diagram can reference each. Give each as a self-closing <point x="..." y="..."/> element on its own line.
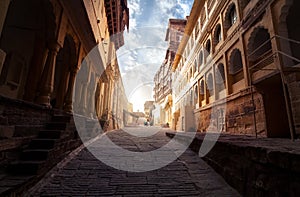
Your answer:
<point x="7" y="131"/>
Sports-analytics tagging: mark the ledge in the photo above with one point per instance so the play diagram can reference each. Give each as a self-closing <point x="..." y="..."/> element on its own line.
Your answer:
<point x="255" y="167"/>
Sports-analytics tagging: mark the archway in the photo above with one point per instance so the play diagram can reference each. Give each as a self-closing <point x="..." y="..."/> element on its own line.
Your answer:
<point x="28" y="27"/>
<point x="271" y="88"/>
<point x="275" y="108"/>
<point x="217" y="35"/>
<point x="220" y="79"/>
<point x="230" y="16"/>
<point x="236" y="66"/>
<point x="259" y="46"/>
<point x="66" y="59"/>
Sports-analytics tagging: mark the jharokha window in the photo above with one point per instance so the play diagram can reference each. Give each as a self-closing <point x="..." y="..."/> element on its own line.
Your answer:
<point x="218" y="34"/>
<point x="232" y="15"/>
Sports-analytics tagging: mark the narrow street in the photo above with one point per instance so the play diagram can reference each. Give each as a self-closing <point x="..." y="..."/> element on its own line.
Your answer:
<point x="82" y="174"/>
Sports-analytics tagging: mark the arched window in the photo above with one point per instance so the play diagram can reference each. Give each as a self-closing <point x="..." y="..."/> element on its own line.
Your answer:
<point x="196" y="92"/>
<point x="202" y="90"/>
<point x="236" y="65"/>
<point x="200" y="59"/>
<point x="195" y="66"/>
<point x="210" y="84"/>
<point x="218" y="34"/>
<point x="191" y="98"/>
<point x="208" y="47"/>
<point x="259" y="44"/>
<point x="220" y="76"/>
<point x="232" y="15"/>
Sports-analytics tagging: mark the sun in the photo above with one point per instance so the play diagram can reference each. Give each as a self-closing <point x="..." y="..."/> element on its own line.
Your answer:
<point x="140" y="95"/>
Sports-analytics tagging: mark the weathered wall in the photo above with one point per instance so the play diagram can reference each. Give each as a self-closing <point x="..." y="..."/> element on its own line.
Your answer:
<point x="239" y="116"/>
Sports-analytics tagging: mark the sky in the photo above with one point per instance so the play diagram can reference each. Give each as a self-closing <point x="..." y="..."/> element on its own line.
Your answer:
<point x="145" y="46"/>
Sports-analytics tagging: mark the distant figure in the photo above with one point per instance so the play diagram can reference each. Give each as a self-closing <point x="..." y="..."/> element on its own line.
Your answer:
<point x="167" y="125"/>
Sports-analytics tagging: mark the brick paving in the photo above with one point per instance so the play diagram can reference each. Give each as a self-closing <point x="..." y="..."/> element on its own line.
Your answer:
<point x="82" y="174"/>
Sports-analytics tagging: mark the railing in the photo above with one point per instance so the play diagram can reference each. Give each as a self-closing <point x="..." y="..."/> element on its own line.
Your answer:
<point x="268" y="58"/>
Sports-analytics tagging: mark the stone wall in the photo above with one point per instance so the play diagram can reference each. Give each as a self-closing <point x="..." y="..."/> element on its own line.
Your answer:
<point x="239" y="115"/>
<point x="17" y="112"/>
<point x="253" y="166"/>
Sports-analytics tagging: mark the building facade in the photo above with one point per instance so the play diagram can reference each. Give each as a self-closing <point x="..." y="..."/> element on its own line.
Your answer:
<point x="163" y="77"/>
<point x="236" y="68"/>
<point x="58" y="57"/>
<point x="148" y="108"/>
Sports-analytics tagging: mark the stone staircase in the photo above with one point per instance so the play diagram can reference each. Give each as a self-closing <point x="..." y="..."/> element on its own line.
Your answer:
<point x="46" y="150"/>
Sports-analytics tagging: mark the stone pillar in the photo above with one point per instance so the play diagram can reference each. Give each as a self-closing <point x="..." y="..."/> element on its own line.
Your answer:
<point x="68" y="107"/>
<point x="98" y="98"/>
<point x="47" y="80"/>
<point x="36" y="69"/>
<point x="91" y="96"/>
<point x="83" y="99"/>
<point x="61" y="92"/>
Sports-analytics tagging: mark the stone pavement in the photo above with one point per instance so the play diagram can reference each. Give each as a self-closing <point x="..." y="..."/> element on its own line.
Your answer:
<point x="82" y="174"/>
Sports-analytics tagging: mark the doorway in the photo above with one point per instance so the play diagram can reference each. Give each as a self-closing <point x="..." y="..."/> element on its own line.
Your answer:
<point x="277" y="123"/>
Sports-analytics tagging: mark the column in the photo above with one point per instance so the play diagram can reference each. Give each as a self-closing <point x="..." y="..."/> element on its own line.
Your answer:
<point x="98" y="100"/>
<point x="61" y="92"/>
<point x="91" y="96"/>
<point x="47" y="80"/>
<point x="36" y="69"/>
<point x="68" y="107"/>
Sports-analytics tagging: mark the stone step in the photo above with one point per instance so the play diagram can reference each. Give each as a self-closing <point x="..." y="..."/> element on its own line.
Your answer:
<point x="61" y="118"/>
<point x="34" y="155"/>
<point x="49" y="134"/>
<point x="91" y="123"/>
<point x="56" y="126"/>
<point x="42" y="143"/>
<point x="25" y="167"/>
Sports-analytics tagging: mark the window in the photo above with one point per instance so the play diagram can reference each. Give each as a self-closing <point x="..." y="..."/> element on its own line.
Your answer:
<point x="218" y="34"/>
<point x="195" y="66"/>
<point x="202" y="17"/>
<point x="220" y="74"/>
<point x="220" y="77"/>
<point x="232" y="15"/>
<point x="200" y="59"/>
<point x="236" y="66"/>
<point x="196" y="92"/>
<point x="210" y="84"/>
<point x="259" y="44"/>
<point x="208" y="47"/>
<point x="236" y="63"/>
<point x="202" y="90"/>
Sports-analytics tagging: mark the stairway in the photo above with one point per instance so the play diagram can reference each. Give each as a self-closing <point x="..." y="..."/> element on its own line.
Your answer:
<point x="41" y="153"/>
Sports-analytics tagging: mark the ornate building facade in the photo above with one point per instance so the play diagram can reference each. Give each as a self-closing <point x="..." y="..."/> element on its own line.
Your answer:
<point x="236" y="69"/>
<point x="163" y="77"/>
<point x="58" y="58"/>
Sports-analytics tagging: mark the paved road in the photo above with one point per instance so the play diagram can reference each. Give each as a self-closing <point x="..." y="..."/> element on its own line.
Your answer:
<point x="82" y="174"/>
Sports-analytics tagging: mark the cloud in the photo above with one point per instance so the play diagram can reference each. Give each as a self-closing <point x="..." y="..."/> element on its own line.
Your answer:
<point x="134" y="11"/>
<point x="145" y="46"/>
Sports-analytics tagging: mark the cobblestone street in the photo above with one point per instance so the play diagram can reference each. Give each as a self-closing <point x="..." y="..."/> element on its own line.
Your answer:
<point x="82" y="174"/>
